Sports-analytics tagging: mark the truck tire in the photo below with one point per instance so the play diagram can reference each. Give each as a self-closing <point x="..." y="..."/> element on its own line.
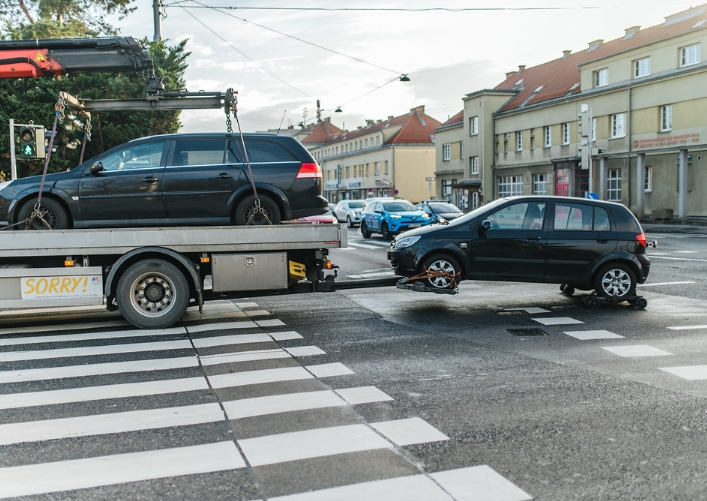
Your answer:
<point x="50" y="210"/>
<point x="245" y="212"/>
<point x="152" y="294"/>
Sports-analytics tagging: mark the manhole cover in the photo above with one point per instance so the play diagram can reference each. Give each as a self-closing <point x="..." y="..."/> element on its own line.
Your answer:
<point x="527" y="332"/>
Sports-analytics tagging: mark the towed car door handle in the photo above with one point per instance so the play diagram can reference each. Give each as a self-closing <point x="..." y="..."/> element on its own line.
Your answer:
<point x="601" y="241"/>
<point x="223" y="175"/>
<point x="534" y="239"/>
<point x="149" y="179"/>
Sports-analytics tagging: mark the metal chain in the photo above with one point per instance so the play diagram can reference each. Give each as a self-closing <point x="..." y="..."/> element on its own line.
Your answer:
<point x="59" y="107"/>
<point x="87" y="129"/>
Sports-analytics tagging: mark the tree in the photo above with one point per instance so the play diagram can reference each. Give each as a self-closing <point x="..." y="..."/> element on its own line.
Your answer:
<point x="34" y="99"/>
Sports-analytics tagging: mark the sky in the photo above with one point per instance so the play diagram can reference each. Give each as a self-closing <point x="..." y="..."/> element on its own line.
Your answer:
<point x="282" y="56"/>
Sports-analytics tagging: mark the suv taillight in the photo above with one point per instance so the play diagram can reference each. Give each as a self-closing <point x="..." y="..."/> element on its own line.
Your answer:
<point x="309" y="170"/>
<point x="641" y="237"/>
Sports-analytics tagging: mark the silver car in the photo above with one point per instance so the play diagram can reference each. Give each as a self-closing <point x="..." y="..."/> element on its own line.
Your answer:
<point x="349" y="211"/>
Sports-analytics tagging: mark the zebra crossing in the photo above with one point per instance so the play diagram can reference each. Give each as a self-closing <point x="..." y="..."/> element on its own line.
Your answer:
<point x="230" y="390"/>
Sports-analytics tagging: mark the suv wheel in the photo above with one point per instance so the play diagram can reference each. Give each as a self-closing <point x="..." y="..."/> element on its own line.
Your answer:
<point x="615" y="280"/>
<point x="443" y="272"/>
<point x="364" y="230"/>
<point x="385" y="232"/>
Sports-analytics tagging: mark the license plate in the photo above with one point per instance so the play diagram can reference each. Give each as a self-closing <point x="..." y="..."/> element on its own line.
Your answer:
<point x="414" y="225"/>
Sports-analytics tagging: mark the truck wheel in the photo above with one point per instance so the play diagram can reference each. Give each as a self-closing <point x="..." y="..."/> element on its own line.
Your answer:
<point x="443" y="272"/>
<point x="364" y="230"/>
<point x="246" y="215"/>
<point x="615" y="280"/>
<point x="50" y="210"/>
<point x="152" y="294"/>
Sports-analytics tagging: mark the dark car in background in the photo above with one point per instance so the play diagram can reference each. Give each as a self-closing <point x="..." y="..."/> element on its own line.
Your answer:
<point x="175" y="179"/>
<point x="440" y="211"/>
<point x="581" y="243"/>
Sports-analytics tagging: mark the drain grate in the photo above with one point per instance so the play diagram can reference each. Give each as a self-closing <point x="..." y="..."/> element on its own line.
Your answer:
<point x="527" y="332"/>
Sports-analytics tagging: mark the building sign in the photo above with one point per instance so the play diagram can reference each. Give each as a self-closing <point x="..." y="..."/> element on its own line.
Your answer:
<point x="338" y="174"/>
<point x="667" y="141"/>
<point x="382" y="182"/>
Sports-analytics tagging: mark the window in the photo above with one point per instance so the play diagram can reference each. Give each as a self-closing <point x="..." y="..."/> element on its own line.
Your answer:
<point x="690" y="55"/>
<point x="666" y="118"/>
<point x="461" y="149"/>
<point x="580" y="217"/>
<point x="473" y="126"/>
<point x="601" y="77"/>
<point x="447" y="187"/>
<point x="565" y="133"/>
<point x="509" y="186"/>
<point x="360" y="171"/>
<point x="348" y="172"/>
<point x="539" y="184"/>
<point x="532" y="139"/>
<point x="142" y="156"/>
<point x="648" y="179"/>
<point x="520" y="216"/>
<point x="474" y="165"/>
<point x="547" y="134"/>
<point x="475" y="200"/>
<point x="446" y="152"/>
<point x="613" y="185"/>
<point x="618" y="125"/>
<point x="505" y="143"/>
<point x="498" y="145"/>
<point x="519" y="141"/>
<point x="377" y="169"/>
<point x="642" y="67"/>
<point x="594" y="129"/>
<point x="386" y="168"/>
<point x="197" y="152"/>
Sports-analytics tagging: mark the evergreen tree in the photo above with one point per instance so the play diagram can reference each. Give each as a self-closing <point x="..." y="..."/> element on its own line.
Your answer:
<point x="26" y="100"/>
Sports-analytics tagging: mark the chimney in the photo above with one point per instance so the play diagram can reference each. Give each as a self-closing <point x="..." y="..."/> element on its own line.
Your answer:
<point x="509" y="74"/>
<point x="521" y="67"/>
<point x="421" y="109"/>
<point x="566" y="54"/>
<point x="593" y="45"/>
<point x="631" y="31"/>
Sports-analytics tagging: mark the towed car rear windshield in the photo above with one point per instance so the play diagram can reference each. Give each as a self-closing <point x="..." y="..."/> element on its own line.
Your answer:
<point x="398" y="206"/>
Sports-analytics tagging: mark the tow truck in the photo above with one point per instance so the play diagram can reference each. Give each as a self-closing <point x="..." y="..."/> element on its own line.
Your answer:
<point x="151" y="275"/>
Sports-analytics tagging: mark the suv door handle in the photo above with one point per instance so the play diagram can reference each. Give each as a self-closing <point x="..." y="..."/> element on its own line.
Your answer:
<point x="149" y="179"/>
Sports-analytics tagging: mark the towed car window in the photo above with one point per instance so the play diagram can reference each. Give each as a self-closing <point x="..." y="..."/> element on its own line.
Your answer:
<point x="398" y="206"/>
<point x="580" y="217"/>
<point x="135" y="156"/>
<point x="198" y="152"/>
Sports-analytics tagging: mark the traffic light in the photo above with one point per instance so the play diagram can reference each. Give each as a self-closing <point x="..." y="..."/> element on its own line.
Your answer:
<point x="32" y="142"/>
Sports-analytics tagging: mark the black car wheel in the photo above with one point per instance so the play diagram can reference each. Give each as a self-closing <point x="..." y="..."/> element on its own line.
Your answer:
<point x="364" y="230"/>
<point x="385" y="232"/>
<point x="443" y="272"/>
<point x="246" y="213"/>
<point x="50" y="212"/>
<point x="615" y="280"/>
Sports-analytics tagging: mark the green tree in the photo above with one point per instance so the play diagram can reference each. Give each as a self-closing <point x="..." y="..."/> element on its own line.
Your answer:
<point x="26" y="100"/>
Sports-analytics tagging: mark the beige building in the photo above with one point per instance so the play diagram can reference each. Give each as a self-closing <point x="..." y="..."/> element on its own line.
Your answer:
<point x="393" y="157"/>
<point x="624" y="120"/>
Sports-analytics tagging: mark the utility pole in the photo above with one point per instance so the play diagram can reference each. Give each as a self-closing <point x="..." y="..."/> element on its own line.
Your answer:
<point x="157" y="16"/>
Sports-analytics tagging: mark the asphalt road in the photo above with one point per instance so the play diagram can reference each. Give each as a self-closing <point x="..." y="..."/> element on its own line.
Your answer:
<point x="505" y="391"/>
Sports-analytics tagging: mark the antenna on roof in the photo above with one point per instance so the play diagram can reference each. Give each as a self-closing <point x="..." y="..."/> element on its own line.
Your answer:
<point x="281" y="120"/>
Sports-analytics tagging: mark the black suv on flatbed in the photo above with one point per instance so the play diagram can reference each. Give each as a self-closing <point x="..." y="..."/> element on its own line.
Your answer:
<point x="175" y="179"/>
<point x="584" y="244"/>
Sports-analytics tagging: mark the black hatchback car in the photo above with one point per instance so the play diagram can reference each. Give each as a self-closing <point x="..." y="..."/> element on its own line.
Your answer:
<point x="585" y="244"/>
<point x="177" y="179"/>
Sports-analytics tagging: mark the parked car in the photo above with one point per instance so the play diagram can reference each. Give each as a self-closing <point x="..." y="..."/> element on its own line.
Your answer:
<point x="440" y="211"/>
<point x="176" y="179"/>
<point x="349" y="211"/>
<point x="390" y="217"/>
<point x="584" y="244"/>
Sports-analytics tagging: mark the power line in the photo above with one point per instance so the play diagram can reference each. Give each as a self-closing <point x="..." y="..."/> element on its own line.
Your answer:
<point x="387" y="9"/>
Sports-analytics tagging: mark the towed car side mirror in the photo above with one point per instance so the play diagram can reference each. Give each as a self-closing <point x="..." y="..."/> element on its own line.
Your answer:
<point x="97" y="167"/>
<point x="485" y="224"/>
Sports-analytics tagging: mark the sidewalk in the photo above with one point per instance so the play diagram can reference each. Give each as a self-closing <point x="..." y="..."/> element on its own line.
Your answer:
<point x="676" y="226"/>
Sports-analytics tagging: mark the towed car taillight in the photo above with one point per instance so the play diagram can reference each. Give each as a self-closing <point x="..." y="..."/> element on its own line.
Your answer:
<point x="641" y="237"/>
<point x="309" y="170"/>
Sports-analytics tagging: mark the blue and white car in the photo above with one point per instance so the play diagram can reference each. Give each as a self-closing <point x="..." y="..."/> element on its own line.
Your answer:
<point x="391" y="217"/>
<point x="349" y="211"/>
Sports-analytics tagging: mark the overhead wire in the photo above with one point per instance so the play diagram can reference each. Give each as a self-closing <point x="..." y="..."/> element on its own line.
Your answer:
<point x="389" y="9"/>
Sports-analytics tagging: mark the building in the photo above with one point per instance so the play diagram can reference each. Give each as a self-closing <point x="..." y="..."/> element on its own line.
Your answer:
<point x="623" y="120"/>
<point x="393" y="157"/>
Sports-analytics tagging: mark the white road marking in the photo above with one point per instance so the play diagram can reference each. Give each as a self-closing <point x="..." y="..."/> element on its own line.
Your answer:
<point x="105" y="424"/>
<point x="270" y="323"/>
<point x="285" y="335"/>
<point x="209" y="342"/>
<point x="689" y="372"/>
<point x="247" y="305"/>
<point x="23" y="375"/>
<point x="371" y="275"/>
<point x="105" y="392"/>
<point x="66" y="327"/>
<point x="304" y="351"/>
<point x="363" y="246"/>
<point x="687" y="327"/>
<point x="329" y="370"/>
<point x="409" y="431"/>
<point x="479" y="483"/>
<point x="275" y="404"/>
<point x="243" y="356"/>
<point x="666" y="283"/>
<point x="363" y="395"/>
<point x="257" y="313"/>
<point x="118" y="469"/>
<point x="638" y="350"/>
<point x="89" y="336"/>
<point x="558" y="321"/>
<point x="308" y="444"/>
<point x="221" y="326"/>
<point x="14" y="356"/>
<point x="587" y="335"/>
<point x="259" y="377"/>
<point x="679" y="258"/>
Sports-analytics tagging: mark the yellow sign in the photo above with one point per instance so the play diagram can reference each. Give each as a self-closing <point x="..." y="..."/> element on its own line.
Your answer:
<point x="61" y="287"/>
<point x="40" y="57"/>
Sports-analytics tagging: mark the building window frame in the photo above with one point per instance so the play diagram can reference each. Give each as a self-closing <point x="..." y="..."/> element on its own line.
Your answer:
<point x="690" y="54"/>
<point x="509" y="186"/>
<point x="648" y="180"/>
<point x="461" y="149"/>
<point x="473" y="165"/>
<point x="547" y="136"/>
<point x="505" y="143"/>
<point x="532" y="139"/>
<point x="642" y="67"/>
<point x="446" y="152"/>
<point x="613" y="185"/>
<point x="474" y="126"/>
<point x="540" y="184"/>
<point x="618" y="125"/>
<point x="566" y="133"/>
<point x="601" y="77"/>
<point x="519" y="140"/>
<point x="666" y="118"/>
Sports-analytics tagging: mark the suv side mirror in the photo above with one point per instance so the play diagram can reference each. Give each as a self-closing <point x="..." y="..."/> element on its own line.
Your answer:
<point x="97" y="167"/>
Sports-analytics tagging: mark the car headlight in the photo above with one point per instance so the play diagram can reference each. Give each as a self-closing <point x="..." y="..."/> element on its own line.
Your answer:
<point x="395" y="216"/>
<point x="405" y="242"/>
